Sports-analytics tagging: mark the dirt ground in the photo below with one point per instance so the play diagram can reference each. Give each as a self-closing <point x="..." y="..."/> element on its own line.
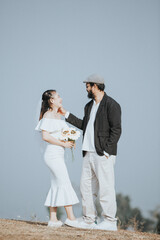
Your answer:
<point x="26" y="230"/>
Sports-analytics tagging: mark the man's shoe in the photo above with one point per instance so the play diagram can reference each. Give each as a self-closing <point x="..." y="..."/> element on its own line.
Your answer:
<point x="85" y="225"/>
<point x="55" y="224"/>
<point x="107" y="225"/>
<point x="71" y="223"/>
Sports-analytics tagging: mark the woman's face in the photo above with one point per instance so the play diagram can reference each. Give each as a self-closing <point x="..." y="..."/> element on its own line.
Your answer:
<point x="57" y="100"/>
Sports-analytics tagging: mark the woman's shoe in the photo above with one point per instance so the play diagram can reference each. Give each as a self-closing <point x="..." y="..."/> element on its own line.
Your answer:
<point x="55" y="224"/>
<point x="72" y="223"/>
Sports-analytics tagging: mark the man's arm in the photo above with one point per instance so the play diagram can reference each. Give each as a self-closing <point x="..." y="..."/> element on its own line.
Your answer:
<point x="114" y="118"/>
<point x="77" y="122"/>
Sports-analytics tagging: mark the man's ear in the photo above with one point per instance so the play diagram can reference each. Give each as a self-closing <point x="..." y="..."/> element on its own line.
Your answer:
<point x="95" y="86"/>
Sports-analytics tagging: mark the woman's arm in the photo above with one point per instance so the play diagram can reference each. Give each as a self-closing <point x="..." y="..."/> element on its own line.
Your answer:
<point x="48" y="138"/>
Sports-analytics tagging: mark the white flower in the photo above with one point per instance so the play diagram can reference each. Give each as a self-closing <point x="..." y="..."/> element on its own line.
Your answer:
<point x="69" y="134"/>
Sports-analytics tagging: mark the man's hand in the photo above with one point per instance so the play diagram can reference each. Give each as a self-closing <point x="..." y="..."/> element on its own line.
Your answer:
<point x="106" y="154"/>
<point x="62" y="111"/>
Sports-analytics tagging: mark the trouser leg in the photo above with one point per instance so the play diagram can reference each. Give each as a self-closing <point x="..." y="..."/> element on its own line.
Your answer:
<point x="104" y="169"/>
<point x="89" y="189"/>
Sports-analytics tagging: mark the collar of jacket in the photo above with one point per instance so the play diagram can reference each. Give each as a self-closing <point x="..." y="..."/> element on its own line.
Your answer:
<point x="102" y="102"/>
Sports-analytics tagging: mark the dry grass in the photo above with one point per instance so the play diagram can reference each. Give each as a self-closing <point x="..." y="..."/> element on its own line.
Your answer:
<point x="26" y="230"/>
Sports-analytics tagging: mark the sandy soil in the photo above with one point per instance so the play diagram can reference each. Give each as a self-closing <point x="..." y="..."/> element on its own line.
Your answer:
<point x="26" y="230"/>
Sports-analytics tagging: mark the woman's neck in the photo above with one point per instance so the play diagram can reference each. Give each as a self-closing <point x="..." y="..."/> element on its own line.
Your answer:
<point x="54" y="112"/>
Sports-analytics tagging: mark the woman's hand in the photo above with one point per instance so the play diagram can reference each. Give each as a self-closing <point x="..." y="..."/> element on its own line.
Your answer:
<point x="68" y="144"/>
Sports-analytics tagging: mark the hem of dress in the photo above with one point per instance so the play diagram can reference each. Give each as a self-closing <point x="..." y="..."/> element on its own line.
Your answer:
<point x="68" y="204"/>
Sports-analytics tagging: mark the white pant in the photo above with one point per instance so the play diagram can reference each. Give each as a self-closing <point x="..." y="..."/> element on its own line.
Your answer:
<point x="98" y="177"/>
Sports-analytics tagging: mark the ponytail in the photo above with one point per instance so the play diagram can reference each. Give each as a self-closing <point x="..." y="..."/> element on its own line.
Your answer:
<point x="46" y="104"/>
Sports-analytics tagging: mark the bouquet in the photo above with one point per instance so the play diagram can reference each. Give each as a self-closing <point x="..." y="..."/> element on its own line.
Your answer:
<point x="70" y="134"/>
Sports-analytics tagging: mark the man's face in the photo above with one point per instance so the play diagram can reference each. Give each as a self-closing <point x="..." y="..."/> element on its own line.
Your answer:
<point x="89" y="90"/>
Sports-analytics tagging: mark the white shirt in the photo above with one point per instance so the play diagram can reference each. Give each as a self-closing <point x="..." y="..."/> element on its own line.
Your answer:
<point x="88" y="141"/>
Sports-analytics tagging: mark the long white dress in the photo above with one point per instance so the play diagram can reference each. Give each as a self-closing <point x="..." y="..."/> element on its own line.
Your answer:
<point x="61" y="192"/>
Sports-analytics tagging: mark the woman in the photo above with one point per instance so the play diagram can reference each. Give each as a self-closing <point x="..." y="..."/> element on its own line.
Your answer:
<point x="61" y="192"/>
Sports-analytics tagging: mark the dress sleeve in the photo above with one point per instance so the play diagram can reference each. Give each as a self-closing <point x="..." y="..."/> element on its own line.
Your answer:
<point x="50" y="125"/>
<point x="44" y="124"/>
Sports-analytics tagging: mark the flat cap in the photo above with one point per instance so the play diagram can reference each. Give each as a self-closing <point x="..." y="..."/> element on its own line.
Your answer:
<point x="94" y="78"/>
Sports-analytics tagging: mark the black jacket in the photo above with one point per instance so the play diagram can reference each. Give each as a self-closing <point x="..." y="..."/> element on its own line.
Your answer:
<point x="107" y="125"/>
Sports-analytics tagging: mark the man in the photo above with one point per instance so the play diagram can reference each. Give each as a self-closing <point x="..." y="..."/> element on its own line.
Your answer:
<point x="101" y="127"/>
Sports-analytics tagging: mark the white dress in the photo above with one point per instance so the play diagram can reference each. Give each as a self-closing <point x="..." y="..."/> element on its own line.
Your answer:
<point x="61" y="192"/>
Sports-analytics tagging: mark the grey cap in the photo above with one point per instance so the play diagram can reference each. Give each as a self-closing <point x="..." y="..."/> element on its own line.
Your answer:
<point x="94" y="78"/>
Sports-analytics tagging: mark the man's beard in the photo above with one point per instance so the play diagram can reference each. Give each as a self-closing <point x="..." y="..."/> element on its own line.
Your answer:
<point x="91" y="95"/>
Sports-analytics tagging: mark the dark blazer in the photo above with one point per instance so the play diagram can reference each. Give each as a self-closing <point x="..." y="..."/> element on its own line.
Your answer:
<point x="107" y="125"/>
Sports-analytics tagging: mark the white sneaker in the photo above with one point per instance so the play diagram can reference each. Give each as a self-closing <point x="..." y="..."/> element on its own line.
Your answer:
<point x="71" y="223"/>
<point x="107" y="225"/>
<point x="85" y="225"/>
<point x="55" y="224"/>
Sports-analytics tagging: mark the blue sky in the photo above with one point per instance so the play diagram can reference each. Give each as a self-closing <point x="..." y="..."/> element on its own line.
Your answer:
<point x="57" y="44"/>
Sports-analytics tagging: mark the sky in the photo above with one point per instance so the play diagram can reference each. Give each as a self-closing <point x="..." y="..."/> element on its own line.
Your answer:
<point x="56" y="44"/>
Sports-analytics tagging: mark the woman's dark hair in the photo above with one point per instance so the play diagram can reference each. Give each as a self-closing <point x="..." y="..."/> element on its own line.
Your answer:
<point x="46" y="104"/>
<point x="100" y="86"/>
